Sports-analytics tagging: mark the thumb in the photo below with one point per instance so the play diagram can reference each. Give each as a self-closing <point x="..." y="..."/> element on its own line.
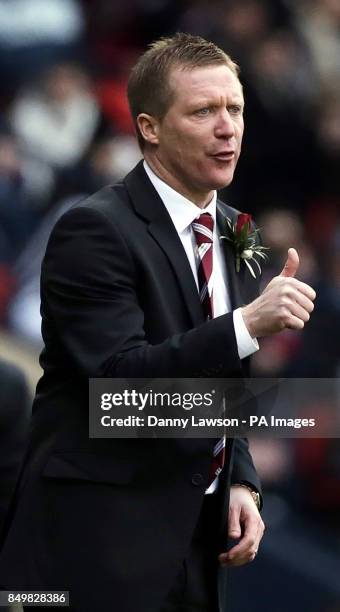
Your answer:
<point x="292" y="264"/>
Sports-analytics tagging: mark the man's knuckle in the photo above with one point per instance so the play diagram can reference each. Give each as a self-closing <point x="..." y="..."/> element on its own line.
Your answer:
<point x="283" y="311"/>
<point x="291" y="292"/>
<point x="285" y="301"/>
<point x="284" y="316"/>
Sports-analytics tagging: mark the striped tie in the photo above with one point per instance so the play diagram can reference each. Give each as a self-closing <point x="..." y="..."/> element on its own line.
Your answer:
<point x="203" y="230"/>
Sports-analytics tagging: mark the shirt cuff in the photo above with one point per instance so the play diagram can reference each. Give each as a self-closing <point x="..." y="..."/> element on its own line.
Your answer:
<point x="246" y="345"/>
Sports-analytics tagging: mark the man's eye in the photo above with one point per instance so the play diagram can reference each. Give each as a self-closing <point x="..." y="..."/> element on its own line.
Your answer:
<point x="203" y="111"/>
<point x="235" y="109"/>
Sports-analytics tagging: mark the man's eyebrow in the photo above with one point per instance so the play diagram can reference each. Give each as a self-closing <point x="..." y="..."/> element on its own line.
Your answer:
<point x="233" y="100"/>
<point x="217" y="99"/>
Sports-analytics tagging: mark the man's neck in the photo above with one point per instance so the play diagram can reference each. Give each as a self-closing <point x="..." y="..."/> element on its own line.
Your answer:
<point x="200" y="199"/>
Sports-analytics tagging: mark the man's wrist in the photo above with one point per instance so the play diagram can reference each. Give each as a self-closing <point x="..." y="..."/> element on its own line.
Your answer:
<point x="246" y="345"/>
<point x="255" y="494"/>
<point x="248" y="321"/>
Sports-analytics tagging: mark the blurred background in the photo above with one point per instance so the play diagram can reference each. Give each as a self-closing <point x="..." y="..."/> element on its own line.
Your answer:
<point x="65" y="131"/>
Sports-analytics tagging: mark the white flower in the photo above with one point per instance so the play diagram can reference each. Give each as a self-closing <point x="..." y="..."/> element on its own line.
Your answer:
<point x="247" y="254"/>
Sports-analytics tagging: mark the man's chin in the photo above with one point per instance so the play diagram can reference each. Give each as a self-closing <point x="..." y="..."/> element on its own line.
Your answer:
<point x="222" y="181"/>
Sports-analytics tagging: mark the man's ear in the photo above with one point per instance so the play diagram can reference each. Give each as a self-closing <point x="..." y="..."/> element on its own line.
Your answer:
<point x="149" y="128"/>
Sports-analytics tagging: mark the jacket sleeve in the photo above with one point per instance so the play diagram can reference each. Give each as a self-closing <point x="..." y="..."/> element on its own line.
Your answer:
<point x="243" y="470"/>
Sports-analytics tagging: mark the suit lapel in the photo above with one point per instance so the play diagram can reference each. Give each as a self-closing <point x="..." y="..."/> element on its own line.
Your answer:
<point x="173" y="248"/>
<point x="233" y="277"/>
<point x="243" y="287"/>
<point x="149" y="206"/>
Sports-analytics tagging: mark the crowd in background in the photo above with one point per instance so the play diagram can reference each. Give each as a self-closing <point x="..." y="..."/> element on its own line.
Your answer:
<point x="65" y="131"/>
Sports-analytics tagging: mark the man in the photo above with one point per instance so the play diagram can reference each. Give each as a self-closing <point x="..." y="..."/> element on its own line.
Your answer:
<point x="141" y="525"/>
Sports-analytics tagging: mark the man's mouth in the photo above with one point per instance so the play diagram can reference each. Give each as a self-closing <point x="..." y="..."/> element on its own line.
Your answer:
<point x="225" y="156"/>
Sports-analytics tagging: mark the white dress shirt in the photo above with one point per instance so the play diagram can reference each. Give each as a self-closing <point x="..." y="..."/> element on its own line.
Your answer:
<point x="183" y="212"/>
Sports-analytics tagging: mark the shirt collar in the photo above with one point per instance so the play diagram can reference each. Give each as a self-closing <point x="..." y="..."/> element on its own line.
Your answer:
<point x="181" y="210"/>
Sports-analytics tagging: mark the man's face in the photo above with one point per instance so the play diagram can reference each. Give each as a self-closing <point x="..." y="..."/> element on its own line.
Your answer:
<point x="199" y="138"/>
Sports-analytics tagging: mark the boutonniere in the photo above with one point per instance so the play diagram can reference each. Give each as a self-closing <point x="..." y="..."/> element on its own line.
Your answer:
<point x="244" y="242"/>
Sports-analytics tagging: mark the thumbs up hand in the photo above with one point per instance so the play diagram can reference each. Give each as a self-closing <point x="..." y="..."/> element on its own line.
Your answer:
<point x="286" y="303"/>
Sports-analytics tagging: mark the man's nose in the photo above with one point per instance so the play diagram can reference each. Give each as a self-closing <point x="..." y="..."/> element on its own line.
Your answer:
<point x="224" y="127"/>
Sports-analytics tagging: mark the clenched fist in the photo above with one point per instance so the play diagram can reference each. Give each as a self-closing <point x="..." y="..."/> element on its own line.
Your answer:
<point x="286" y="303"/>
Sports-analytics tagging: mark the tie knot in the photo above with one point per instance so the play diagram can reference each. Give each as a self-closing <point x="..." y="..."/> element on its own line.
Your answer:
<point x="203" y="228"/>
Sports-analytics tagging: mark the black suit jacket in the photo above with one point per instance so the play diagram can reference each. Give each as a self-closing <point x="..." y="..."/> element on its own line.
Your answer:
<point x="111" y="520"/>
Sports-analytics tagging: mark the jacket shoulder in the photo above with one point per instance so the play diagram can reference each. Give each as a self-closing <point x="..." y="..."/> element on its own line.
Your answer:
<point x="110" y="201"/>
<point x="108" y="205"/>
